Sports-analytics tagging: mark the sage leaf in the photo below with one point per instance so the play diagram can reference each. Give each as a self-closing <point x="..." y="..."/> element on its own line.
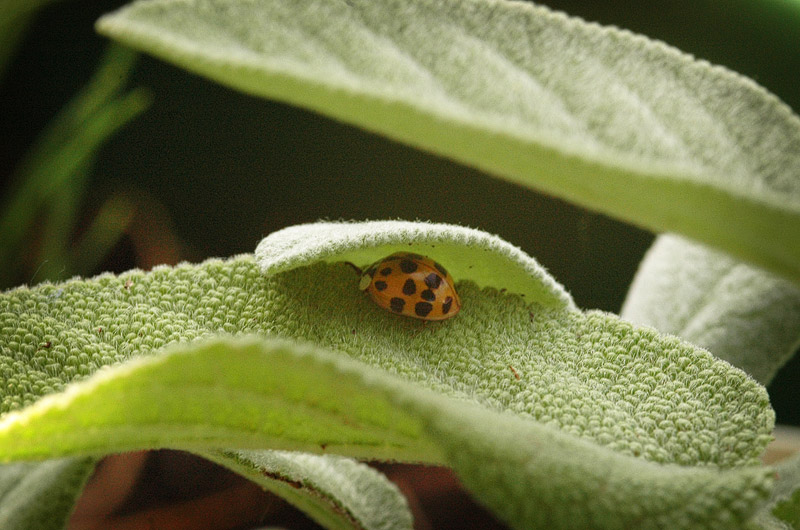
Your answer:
<point x="335" y="491"/>
<point x="41" y="494"/>
<point x="782" y="511"/>
<point x="602" y="489"/>
<point x="599" y="116"/>
<point x="509" y="462"/>
<point x="485" y="259"/>
<point x="741" y="313"/>
<point x="151" y="359"/>
<point x="549" y="362"/>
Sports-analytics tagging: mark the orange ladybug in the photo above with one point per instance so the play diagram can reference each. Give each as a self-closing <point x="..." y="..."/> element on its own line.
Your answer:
<point x="411" y="285"/>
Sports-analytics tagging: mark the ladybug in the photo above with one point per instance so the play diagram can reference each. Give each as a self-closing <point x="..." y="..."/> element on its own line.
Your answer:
<point x="411" y="285"/>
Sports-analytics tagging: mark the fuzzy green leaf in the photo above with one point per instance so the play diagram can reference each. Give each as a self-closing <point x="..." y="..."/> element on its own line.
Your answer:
<point x="599" y="116"/>
<point x="624" y="390"/>
<point x="590" y="373"/>
<point x="782" y="511"/>
<point x="41" y="495"/>
<point x="219" y="398"/>
<point x="601" y="489"/>
<point x="510" y="462"/>
<point x="742" y="314"/>
<point x="485" y="259"/>
<point x="786" y="497"/>
<point x="337" y="492"/>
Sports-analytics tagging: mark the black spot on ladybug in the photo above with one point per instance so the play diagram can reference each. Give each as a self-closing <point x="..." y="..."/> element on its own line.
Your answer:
<point x="428" y="295"/>
<point x="380" y="285"/>
<point x="440" y="268"/>
<point x="408" y="266"/>
<point x="397" y="304"/>
<point x="409" y="287"/>
<point x="423" y="308"/>
<point x="387" y="271"/>
<point x="446" y="305"/>
<point x="370" y="272"/>
<point x="433" y="280"/>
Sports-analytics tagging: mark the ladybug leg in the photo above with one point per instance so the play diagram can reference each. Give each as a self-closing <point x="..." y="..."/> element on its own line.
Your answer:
<point x="419" y="326"/>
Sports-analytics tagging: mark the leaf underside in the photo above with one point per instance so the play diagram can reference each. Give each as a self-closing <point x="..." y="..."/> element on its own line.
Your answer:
<point x="41" y="495"/>
<point x="485" y="259"/>
<point x="596" y="115"/>
<point x="335" y="491"/>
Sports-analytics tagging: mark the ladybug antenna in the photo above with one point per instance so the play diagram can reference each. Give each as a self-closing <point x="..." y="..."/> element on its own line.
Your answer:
<point x="357" y="269"/>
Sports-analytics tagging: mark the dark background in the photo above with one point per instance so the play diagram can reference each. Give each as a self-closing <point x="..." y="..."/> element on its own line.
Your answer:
<point x="214" y="170"/>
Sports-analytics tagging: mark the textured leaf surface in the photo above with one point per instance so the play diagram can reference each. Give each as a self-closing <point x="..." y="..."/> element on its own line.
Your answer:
<point x="509" y="462"/>
<point x="589" y="373"/>
<point x="625" y="391"/>
<point x="41" y="495"/>
<point x="336" y="491"/>
<point x="599" y="116"/>
<point x="643" y="495"/>
<point x="742" y="314"/>
<point x="485" y="259"/>
<point x="213" y="400"/>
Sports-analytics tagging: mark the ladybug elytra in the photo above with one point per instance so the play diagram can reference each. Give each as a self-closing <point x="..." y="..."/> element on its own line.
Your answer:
<point x="411" y="285"/>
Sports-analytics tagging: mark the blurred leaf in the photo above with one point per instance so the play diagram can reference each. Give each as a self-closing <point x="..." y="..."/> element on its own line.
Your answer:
<point x="743" y="314"/>
<point x="335" y="491"/>
<point x="59" y="226"/>
<point x="782" y="511"/>
<point x="789" y="510"/>
<point x="15" y="19"/>
<point x="599" y="116"/>
<point x="12" y="29"/>
<point x="108" y="225"/>
<point x="59" y="160"/>
<point x="41" y="495"/>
